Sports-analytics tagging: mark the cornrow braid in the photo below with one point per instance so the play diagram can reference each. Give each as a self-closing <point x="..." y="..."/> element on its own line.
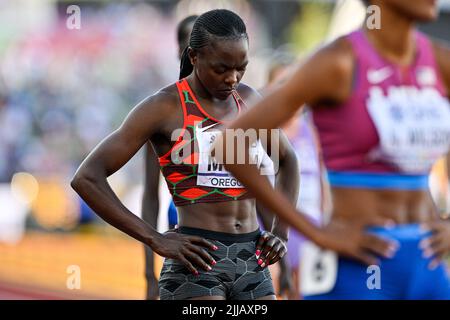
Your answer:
<point x="219" y="23"/>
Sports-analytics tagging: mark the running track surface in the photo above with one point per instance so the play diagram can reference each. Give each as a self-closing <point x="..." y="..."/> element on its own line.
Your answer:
<point x="111" y="267"/>
<point x="10" y="292"/>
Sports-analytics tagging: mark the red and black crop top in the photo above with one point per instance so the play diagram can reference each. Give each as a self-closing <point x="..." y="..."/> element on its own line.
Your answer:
<point x="191" y="174"/>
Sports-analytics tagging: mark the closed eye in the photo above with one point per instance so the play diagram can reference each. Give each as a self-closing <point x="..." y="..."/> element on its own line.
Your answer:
<point x="220" y="70"/>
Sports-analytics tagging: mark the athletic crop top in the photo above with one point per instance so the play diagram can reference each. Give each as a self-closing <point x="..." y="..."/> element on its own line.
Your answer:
<point x="191" y="174"/>
<point x="396" y="123"/>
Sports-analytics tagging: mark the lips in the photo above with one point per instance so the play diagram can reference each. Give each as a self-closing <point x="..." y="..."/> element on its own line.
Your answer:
<point x="227" y="91"/>
<point x="223" y="94"/>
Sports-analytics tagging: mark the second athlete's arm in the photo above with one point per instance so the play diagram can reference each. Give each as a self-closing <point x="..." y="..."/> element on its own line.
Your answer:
<point x="326" y="76"/>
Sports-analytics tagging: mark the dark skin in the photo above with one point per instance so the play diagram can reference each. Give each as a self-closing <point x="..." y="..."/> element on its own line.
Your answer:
<point x="327" y="77"/>
<point x="218" y="68"/>
<point x="150" y="198"/>
<point x="285" y="280"/>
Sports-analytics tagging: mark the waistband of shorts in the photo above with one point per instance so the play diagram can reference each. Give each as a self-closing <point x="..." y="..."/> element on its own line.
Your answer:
<point x="401" y="231"/>
<point x="221" y="236"/>
<point x="377" y="180"/>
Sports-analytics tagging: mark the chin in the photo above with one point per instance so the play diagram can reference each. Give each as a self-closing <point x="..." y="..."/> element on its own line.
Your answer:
<point x="222" y="95"/>
<point x="418" y="10"/>
<point x="427" y="17"/>
<point x="425" y="12"/>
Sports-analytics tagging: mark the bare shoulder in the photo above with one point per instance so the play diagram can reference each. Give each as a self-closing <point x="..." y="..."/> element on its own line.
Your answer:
<point x="165" y="100"/>
<point x="248" y="93"/>
<point x="326" y="75"/>
<point x="337" y="56"/>
<point x="442" y="55"/>
<point x="441" y="50"/>
<point x="158" y="105"/>
<point x="152" y="113"/>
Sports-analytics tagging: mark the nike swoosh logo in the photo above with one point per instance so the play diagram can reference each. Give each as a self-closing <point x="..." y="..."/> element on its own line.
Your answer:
<point x="205" y="128"/>
<point x="377" y="76"/>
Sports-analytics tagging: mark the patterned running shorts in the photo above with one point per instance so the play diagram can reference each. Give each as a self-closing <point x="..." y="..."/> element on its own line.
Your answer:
<point x="236" y="276"/>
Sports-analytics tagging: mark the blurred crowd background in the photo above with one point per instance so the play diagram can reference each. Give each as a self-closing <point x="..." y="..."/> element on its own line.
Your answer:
<point x="63" y="90"/>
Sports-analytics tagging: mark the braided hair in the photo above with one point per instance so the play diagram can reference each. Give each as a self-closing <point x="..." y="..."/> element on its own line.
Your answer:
<point x="218" y="23"/>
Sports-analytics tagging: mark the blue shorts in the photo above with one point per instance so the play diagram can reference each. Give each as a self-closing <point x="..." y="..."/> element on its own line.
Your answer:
<point x="405" y="276"/>
<point x="172" y="213"/>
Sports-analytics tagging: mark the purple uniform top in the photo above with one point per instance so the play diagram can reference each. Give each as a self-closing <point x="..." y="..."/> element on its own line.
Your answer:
<point x="396" y="120"/>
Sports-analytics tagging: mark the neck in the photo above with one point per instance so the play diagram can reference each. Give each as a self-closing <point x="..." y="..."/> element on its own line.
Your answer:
<point x="198" y="87"/>
<point x="395" y="39"/>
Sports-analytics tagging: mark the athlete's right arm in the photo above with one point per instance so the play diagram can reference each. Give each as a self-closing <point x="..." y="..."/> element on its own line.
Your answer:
<point x="448" y="181"/>
<point x="326" y="77"/>
<point x="442" y="54"/>
<point x="90" y="182"/>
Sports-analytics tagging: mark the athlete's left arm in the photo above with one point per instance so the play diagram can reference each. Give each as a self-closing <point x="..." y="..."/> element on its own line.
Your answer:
<point x="444" y="63"/>
<point x="287" y="180"/>
<point x="438" y="244"/>
<point x="448" y="177"/>
<point x="442" y="52"/>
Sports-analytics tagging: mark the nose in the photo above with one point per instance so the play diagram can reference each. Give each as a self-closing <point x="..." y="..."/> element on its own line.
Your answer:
<point x="231" y="78"/>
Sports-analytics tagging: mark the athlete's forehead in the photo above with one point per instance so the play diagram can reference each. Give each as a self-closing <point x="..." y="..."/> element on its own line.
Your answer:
<point x="226" y="52"/>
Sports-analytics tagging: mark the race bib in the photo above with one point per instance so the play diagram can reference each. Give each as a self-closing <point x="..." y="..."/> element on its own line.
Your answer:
<point x="318" y="269"/>
<point x="213" y="174"/>
<point x="413" y="126"/>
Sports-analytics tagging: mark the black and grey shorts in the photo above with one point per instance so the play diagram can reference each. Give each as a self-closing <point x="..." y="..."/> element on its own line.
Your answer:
<point x="236" y="276"/>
